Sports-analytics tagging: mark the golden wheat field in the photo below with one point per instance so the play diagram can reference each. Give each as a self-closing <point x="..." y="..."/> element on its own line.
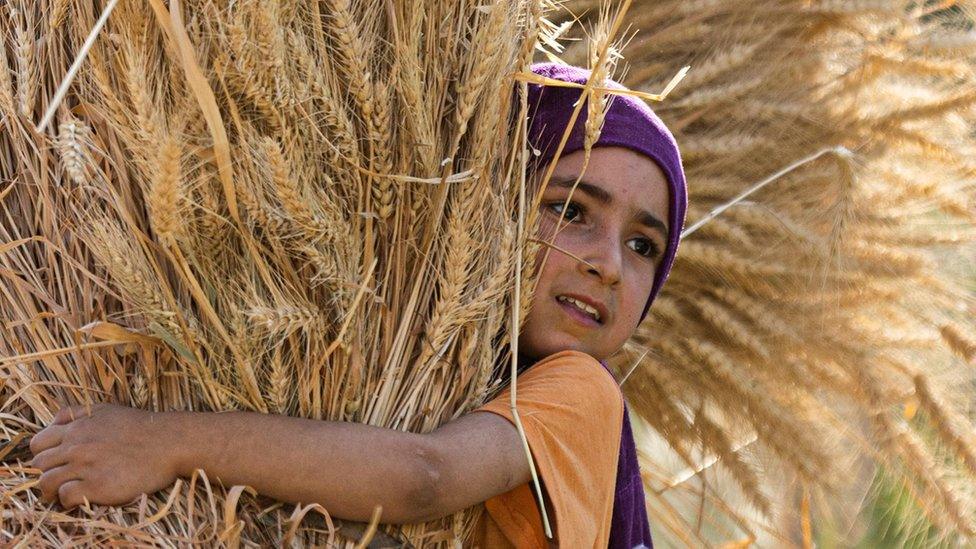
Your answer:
<point x="311" y="209"/>
<point x="831" y="311"/>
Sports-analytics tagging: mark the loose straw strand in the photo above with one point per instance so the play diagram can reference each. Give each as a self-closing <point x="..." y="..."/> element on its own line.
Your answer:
<point x="552" y="82"/>
<point x="632" y="368"/>
<point x="516" y="306"/>
<point x="73" y="71"/>
<point x="563" y="251"/>
<point x="374" y="523"/>
<point x="841" y="151"/>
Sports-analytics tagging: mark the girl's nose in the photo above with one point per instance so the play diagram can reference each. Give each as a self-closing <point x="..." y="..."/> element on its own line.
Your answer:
<point x="603" y="261"/>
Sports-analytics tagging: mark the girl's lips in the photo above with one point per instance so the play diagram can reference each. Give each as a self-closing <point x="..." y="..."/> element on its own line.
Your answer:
<point x="578" y="315"/>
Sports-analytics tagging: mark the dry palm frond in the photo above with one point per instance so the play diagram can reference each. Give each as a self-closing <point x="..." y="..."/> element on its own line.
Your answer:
<point x="776" y="308"/>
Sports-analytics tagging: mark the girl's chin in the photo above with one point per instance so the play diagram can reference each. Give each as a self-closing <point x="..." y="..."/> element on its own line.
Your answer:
<point x="551" y="344"/>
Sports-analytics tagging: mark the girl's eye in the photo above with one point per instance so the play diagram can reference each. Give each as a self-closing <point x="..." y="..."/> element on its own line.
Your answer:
<point x="643" y="247"/>
<point x="571" y="212"/>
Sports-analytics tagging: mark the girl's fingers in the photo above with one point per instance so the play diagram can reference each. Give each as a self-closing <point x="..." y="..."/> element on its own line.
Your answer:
<point x="53" y="480"/>
<point x="47" y="438"/>
<point x="69" y="414"/>
<point x="72" y="493"/>
<point x="50" y="458"/>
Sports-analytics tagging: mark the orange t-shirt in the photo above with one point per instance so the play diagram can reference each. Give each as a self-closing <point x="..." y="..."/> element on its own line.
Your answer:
<point x="572" y="412"/>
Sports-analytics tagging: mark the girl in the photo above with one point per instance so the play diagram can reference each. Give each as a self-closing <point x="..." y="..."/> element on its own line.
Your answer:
<point x="619" y="234"/>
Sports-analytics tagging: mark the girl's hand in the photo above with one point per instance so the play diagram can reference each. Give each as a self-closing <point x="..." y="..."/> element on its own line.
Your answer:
<point x="109" y="457"/>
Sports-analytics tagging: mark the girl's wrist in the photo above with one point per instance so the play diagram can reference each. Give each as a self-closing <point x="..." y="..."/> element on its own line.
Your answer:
<point x="174" y="433"/>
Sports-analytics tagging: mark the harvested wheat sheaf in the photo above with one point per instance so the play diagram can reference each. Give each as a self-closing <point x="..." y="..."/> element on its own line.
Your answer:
<point x="291" y="207"/>
<point x="805" y="319"/>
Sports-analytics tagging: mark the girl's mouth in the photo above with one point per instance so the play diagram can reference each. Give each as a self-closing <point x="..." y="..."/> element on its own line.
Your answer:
<point x="581" y="312"/>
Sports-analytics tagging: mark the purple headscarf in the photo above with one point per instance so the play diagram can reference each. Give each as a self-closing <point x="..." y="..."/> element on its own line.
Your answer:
<point x="629" y="123"/>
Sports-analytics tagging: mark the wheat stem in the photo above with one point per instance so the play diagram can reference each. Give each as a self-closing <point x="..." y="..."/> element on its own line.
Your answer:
<point x="62" y="90"/>
<point x="513" y="336"/>
<point x="839" y="151"/>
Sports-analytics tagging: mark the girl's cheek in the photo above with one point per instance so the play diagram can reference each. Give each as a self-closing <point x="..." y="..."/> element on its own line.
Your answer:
<point x="573" y="240"/>
<point x="640" y="291"/>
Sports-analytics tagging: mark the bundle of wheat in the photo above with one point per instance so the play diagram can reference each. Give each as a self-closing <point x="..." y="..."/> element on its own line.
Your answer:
<point x="300" y="208"/>
<point x="811" y="320"/>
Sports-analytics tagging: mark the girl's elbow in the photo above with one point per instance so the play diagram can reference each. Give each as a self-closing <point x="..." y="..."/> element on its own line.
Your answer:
<point x="425" y="498"/>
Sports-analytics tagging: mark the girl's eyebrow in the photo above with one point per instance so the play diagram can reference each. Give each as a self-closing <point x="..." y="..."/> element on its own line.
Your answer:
<point x="600" y="194"/>
<point x="650" y="221"/>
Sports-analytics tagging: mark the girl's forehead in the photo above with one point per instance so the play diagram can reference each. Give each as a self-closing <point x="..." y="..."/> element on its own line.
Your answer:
<point x="615" y="176"/>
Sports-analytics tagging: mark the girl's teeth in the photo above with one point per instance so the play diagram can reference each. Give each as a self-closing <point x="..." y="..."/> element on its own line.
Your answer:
<point x="581" y="306"/>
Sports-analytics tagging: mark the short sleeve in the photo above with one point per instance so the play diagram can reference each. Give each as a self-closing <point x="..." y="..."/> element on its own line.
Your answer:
<point x="572" y="411"/>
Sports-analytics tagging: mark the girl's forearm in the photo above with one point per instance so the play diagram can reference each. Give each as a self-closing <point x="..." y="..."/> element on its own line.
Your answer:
<point x="348" y="468"/>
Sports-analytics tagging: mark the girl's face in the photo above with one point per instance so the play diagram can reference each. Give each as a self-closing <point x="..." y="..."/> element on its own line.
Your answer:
<point x="616" y="227"/>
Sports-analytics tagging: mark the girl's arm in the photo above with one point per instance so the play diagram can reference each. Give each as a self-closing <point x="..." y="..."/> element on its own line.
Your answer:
<point x="118" y="453"/>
